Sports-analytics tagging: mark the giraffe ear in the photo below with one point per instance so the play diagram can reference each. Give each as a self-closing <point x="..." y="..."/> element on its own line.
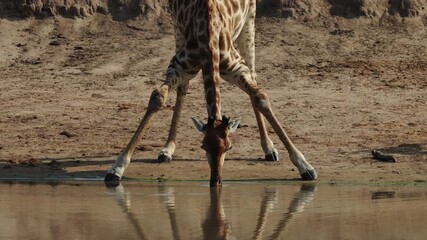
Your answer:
<point x="233" y="125"/>
<point x="199" y="125"/>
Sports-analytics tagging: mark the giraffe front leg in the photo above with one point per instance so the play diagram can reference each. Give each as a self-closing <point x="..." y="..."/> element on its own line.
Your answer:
<point x="261" y="102"/>
<point x="247" y="49"/>
<point x="178" y="74"/>
<point x="157" y="102"/>
<point x="240" y="75"/>
<point x="246" y="45"/>
<point x="168" y="150"/>
<point x="271" y="153"/>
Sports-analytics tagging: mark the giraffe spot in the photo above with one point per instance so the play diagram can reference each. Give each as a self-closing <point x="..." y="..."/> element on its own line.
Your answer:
<point x="234" y="6"/>
<point x="203" y="38"/>
<point x="182" y="54"/>
<point x="192" y="44"/>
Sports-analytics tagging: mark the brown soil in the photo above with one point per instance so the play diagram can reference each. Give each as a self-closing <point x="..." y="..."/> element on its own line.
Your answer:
<point x="343" y="80"/>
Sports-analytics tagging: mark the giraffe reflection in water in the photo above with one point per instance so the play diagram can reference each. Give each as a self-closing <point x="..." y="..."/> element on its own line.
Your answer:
<point x="215" y="225"/>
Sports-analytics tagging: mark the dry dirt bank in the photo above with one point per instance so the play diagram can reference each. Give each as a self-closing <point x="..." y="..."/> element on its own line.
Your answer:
<point x="342" y="81"/>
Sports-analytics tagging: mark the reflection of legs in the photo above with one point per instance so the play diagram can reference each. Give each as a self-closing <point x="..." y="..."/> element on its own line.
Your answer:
<point x="267" y="204"/>
<point x="175" y="76"/>
<point x="167" y="195"/>
<point x="124" y="202"/>
<point x="304" y="196"/>
<point x="169" y="148"/>
<point x="240" y="75"/>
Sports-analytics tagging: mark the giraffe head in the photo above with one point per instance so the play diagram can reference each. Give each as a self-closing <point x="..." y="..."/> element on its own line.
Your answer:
<point x="216" y="143"/>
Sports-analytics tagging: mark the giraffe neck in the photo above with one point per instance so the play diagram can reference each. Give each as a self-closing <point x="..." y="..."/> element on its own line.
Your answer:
<point x="209" y="53"/>
<point x="213" y="100"/>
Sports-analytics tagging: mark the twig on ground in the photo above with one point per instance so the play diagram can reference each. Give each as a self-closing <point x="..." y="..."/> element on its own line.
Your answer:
<point x="383" y="157"/>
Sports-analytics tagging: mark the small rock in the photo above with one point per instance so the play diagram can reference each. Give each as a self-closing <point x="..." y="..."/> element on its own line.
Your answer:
<point x="289" y="13"/>
<point x="54" y="43"/>
<point x="123" y="106"/>
<point x="144" y="148"/>
<point x="53" y="162"/>
<point x="67" y="134"/>
<point x="102" y="9"/>
<point x="97" y="95"/>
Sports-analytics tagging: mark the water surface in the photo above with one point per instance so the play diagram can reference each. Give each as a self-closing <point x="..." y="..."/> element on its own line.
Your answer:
<point x="89" y="210"/>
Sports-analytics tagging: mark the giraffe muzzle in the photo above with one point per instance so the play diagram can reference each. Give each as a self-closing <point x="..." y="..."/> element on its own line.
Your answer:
<point x="215" y="182"/>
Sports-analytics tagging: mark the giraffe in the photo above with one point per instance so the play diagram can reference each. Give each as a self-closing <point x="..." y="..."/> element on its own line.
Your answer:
<point x="217" y="37"/>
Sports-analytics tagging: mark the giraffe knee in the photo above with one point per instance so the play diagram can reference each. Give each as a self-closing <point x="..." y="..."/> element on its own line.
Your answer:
<point x="260" y="100"/>
<point x="158" y="99"/>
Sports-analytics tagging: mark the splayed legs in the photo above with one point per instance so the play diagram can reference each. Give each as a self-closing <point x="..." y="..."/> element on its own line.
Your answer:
<point x="176" y="77"/>
<point x="240" y="75"/>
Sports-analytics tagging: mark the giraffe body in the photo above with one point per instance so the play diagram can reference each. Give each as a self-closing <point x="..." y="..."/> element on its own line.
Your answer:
<point x="217" y="37"/>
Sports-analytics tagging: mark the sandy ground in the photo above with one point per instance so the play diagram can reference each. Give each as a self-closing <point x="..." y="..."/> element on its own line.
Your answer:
<point x="73" y="92"/>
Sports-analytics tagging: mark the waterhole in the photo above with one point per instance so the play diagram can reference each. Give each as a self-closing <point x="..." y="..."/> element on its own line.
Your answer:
<point x="89" y="210"/>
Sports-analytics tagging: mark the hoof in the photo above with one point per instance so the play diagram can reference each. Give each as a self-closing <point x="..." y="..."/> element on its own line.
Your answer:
<point x="273" y="157"/>
<point x="112" y="180"/>
<point x="163" y="158"/>
<point x="309" y="175"/>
